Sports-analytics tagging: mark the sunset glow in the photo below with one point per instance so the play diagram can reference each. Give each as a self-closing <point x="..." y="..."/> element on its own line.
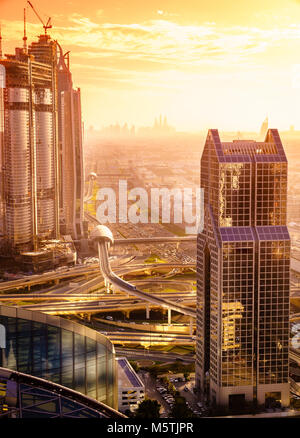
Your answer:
<point x="225" y="64"/>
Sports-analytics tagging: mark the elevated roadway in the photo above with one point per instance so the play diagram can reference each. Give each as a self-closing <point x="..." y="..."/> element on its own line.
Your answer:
<point x="294" y="355"/>
<point x="82" y="270"/>
<point x="169" y="239"/>
<point x="150" y="338"/>
<point x="154" y="355"/>
<point x="92" y="306"/>
<point x="295" y="317"/>
<point x="131" y="289"/>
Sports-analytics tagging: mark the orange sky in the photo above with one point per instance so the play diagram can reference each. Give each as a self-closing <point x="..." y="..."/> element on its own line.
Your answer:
<point x="223" y="63"/>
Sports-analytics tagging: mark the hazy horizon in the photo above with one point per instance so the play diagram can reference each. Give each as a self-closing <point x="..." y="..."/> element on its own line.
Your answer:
<point x="218" y="64"/>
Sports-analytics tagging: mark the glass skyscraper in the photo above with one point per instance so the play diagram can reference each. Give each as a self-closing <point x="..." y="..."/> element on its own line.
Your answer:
<point x="243" y="269"/>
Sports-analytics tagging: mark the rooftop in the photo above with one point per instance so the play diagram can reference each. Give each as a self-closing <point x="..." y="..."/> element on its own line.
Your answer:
<point x="271" y="150"/>
<point x="127" y="377"/>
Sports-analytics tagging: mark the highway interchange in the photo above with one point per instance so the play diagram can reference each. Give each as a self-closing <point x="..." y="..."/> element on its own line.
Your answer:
<point x="73" y="292"/>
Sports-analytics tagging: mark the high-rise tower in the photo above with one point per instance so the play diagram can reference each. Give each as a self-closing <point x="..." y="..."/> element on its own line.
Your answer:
<point x="29" y="146"/>
<point x="71" y="153"/>
<point x="46" y="115"/>
<point x="243" y="269"/>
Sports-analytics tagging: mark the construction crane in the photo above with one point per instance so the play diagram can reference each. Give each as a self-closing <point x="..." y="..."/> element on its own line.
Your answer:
<point x="46" y="26"/>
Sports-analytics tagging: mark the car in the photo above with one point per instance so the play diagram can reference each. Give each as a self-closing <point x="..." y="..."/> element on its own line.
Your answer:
<point x="110" y="318"/>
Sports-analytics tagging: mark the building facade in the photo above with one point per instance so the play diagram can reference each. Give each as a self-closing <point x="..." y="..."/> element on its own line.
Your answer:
<point x="59" y="350"/>
<point x="243" y="265"/>
<point x="26" y="396"/>
<point x="70" y="135"/>
<point x="29" y="146"/>
<point x="131" y="390"/>
<point x="42" y="180"/>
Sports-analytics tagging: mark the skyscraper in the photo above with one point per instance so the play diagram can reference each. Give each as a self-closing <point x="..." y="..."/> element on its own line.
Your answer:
<point x="243" y="265"/>
<point x="41" y="147"/>
<point x="29" y="145"/>
<point x="71" y="153"/>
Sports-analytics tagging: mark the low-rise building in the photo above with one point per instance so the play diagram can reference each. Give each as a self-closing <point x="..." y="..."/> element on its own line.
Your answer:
<point x="131" y="390"/>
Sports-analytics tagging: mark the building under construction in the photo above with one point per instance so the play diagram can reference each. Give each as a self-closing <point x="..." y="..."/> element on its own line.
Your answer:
<point x="34" y="163"/>
<point x="29" y="146"/>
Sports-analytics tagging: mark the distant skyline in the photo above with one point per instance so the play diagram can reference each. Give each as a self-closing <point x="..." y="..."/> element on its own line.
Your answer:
<point x="225" y="64"/>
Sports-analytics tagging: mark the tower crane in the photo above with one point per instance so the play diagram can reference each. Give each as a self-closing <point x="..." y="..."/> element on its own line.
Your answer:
<point x="46" y="26"/>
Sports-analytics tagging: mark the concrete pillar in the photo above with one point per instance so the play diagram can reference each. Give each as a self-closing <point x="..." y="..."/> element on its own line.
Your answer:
<point x="127" y="314"/>
<point x="107" y="287"/>
<point x="88" y="317"/>
<point x="147" y="311"/>
<point x="56" y="281"/>
<point x="169" y="316"/>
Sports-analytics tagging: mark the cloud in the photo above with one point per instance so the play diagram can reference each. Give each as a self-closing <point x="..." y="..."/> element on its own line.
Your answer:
<point x="158" y="44"/>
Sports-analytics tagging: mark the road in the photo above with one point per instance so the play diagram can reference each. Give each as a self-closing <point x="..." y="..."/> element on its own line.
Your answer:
<point x="149" y="338"/>
<point x="156" y="239"/>
<point x="98" y="306"/>
<point x="83" y="270"/>
<point x="152" y="393"/>
<point x="131" y="289"/>
<point x="135" y="354"/>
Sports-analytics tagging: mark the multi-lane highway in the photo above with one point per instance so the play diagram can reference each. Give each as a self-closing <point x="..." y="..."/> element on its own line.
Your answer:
<point x="155" y="239"/>
<point x="99" y="305"/>
<point x="83" y="270"/>
<point x="131" y="289"/>
<point x="149" y="338"/>
<point x="153" y="355"/>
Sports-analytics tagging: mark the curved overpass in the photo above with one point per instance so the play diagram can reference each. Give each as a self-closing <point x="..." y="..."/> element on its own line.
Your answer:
<point x="131" y="289"/>
<point x="295" y="317"/>
<point x="168" y="239"/>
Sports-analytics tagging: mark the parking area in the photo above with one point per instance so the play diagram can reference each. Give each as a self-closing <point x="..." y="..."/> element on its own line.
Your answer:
<point x="152" y="393"/>
<point x="160" y="390"/>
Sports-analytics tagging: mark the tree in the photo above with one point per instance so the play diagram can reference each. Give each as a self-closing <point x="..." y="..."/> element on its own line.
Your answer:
<point x="186" y="375"/>
<point x="148" y="409"/>
<point x="134" y="366"/>
<point x="180" y="409"/>
<point x="165" y="379"/>
<point x="171" y="388"/>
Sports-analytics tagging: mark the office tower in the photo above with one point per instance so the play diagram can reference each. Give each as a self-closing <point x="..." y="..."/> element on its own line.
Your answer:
<point x="243" y="265"/>
<point x="29" y="146"/>
<point x="45" y="100"/>
<point x="71" y="154"/>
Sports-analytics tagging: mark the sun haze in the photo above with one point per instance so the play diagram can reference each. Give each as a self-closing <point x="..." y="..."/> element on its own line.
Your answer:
<point x="204" y="64"/>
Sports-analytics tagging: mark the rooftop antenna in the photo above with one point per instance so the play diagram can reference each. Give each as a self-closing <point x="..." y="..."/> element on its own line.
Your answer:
<point x="0" y="42"/>
<point x="25" y="37"/>
<point x="46" y="26"/>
